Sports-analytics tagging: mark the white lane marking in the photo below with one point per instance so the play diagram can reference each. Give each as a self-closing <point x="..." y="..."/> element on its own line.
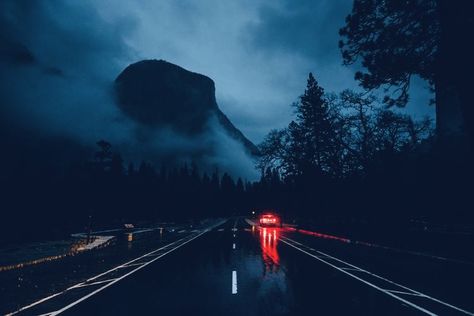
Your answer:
<point x="90" y="279"/>
<point x="298" y="243"/>
<point x="220" y="230"/>
<point x="406" y="293"/>
<point x="124" y="265"/>
<point x="37" y="302"/>
<point x="250" y="222"/>
<point x="351" y="269"/>
<point x="133" y="264"/>
<point x="362" y="280"/>
<point x="182" y="231"/>
<point x="234" y="282"/>
<point x="132" y="261"/>
<point x="233" y="245"/>
<point x="122" y="277"/>
<point x="234" y="235"/>
<point x="402" y="286"/>
<point x="154" y="254"/>
<point x="142" y="231"/>
<point x="388" y="292"/>
<point x="94" y="283"/>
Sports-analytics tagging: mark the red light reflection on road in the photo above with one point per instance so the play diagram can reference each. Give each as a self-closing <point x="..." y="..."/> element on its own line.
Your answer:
<point x="320" y="235"/>
<point x="268" y="243"/>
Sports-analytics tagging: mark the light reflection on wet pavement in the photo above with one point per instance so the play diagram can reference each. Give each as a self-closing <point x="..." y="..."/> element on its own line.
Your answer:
<point x="237" y="269"/>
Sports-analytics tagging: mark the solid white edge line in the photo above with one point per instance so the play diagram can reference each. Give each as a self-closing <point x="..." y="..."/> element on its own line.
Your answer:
<point x="133" y="264"/>
<point x="362" y="280"/>
<point x="234" y="282"/>
<point x="88" y="280"/>
<point x="382" y="278"/>
<point x="59" y="311"/>
<point x="124" y="265"/>
<point x="250" y="222"/>
<point x="37" y="302"/>
<point x="402" y="286"/>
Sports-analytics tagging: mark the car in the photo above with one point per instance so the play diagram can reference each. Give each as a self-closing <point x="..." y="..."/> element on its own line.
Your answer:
<point x="269" y="219"/>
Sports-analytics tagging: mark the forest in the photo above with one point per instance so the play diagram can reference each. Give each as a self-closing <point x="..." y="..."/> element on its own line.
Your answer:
<point x="352" y="154"/>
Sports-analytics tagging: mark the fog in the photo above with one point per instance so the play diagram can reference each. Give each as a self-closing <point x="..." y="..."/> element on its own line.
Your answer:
<point x="58" y="61"/>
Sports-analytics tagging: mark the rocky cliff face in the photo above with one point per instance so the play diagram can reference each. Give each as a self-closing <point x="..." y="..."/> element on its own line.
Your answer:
<point x="156" y="93"/>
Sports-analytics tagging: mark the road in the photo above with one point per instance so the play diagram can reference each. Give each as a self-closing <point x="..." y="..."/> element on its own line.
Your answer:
<point x="236" y="268"/>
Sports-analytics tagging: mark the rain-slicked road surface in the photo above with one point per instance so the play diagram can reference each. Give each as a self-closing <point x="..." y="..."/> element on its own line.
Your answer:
<point x="235" y="268"/>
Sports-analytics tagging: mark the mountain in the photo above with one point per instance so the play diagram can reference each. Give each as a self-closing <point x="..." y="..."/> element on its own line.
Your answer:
<point x="157" y="93"/>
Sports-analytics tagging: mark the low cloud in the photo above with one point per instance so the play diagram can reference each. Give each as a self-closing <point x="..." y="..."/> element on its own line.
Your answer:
<point x="58" y="61"/>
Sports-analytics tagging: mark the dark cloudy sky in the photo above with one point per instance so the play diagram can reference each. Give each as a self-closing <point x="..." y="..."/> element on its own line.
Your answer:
<point x="258" y="53"/>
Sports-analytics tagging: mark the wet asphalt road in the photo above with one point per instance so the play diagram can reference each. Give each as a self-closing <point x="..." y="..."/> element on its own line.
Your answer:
<point x="237" y="269"/>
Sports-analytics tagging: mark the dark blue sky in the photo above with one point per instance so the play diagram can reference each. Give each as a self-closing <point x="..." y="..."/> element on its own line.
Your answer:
<point x="258" y="53"/>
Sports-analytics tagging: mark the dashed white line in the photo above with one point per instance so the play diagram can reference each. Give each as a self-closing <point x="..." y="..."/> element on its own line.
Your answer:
<point x="233" y="246"/>
<point x="234" y="282"/>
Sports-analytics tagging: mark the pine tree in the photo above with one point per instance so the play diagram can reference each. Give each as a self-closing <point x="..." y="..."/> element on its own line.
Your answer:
<point x="314" y="122"/>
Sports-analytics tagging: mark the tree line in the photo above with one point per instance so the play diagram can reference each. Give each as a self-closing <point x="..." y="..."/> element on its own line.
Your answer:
<point x="354" y="155"/>
<point x="339" y="136"/>
<point x="350" y="156"/>
<point x="109" y="193"/>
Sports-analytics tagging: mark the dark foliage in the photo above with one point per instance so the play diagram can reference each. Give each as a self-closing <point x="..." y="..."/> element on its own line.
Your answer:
<point x="378" y="164"/>
<point x="53" y="204"/>
<point x="394" y="40"/>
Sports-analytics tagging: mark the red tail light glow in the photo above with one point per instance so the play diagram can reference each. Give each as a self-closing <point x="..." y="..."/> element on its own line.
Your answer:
<point x="269" y="219"/>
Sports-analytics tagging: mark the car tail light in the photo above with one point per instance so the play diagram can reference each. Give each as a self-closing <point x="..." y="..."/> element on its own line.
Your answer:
<point x="268" y="219"/>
